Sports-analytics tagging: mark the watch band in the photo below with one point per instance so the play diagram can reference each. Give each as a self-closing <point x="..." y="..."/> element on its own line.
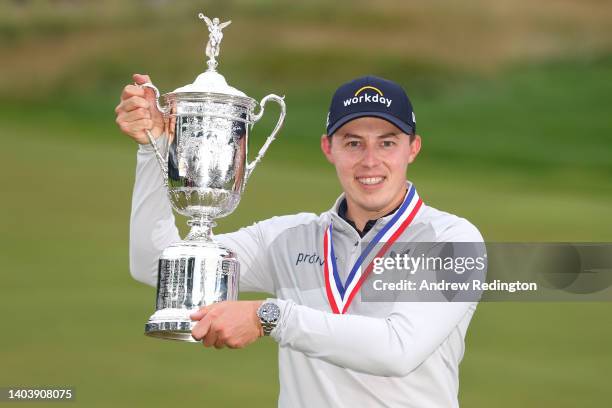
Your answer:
<point x="267" y="328"/>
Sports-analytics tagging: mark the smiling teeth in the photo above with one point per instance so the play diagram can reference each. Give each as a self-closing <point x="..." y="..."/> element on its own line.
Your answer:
<point x="370" y="180"/>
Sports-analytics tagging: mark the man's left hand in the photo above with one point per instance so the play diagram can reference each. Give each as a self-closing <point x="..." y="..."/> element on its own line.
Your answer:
<point x="232" y="323"/>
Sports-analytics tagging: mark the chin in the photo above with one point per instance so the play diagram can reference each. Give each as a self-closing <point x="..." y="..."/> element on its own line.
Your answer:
<point x="371" y="203"/>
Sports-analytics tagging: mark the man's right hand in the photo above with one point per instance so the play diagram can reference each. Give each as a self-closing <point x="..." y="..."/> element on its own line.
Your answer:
<point x="137" y="111"/>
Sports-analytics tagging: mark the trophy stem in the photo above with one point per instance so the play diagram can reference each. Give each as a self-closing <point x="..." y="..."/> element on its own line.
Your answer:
<point x="201" y="229"/>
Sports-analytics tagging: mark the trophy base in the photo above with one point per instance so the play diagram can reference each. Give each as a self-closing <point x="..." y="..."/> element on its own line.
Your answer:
<point x="171" y="324"/>
<point x="191" y="274"/>
<point x="180" y="331"/>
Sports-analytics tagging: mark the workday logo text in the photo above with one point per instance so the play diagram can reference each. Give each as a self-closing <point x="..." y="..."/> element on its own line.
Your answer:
<point x="365" y="94"/>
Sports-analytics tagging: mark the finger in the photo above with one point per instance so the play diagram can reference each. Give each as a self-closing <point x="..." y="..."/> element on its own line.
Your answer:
<point x="132" y="116"/>
<point x="219" y="344"/>
<point x="141" y="78"/>
<point x="136" y="126"/>
<point x="132" y="103"/>
<point x="132" y="90"/>
<point x="211" y="337"/>
<point x="201" y="329"/>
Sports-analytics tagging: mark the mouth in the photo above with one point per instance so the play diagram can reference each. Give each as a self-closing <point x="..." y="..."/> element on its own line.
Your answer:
<point x="370" y="181"/>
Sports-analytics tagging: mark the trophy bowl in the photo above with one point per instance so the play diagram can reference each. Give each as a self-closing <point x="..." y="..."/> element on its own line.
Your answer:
<point x="207" y="150"/>
<point x="207" y="162"/>
<point x="202" y="155"/>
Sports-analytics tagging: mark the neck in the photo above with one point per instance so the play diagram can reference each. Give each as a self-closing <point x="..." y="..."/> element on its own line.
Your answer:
<point x="360" y="216"/>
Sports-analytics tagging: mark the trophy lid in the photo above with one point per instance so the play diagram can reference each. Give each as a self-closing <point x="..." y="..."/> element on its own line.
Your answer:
<point x="211" y="80"/>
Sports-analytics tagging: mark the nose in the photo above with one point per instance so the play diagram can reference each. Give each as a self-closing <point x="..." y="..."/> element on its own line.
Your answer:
<point x="370" y="157"/>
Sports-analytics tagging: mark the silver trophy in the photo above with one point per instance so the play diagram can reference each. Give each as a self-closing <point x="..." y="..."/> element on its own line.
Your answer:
<point x="203" y="159"/>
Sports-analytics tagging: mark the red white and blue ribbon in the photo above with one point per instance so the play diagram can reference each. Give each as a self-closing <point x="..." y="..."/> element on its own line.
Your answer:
<point x="341" y="295"/>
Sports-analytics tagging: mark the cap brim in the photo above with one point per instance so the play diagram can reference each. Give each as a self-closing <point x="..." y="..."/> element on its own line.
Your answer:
<point x="403" y="126"/>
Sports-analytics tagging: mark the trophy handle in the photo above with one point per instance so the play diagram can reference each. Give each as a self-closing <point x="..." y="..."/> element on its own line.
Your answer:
<point x="280" y="100"/>
<point x="163" y="163"/>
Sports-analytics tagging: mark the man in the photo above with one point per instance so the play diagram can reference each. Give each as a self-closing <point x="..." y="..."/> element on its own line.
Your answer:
<point x="335" y="350"/>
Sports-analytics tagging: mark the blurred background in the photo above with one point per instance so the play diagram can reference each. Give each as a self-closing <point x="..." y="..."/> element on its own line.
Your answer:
<point x="513" y="102"/>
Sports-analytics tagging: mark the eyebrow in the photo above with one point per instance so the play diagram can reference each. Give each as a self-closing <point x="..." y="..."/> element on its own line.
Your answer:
<point x="388" y="134"/>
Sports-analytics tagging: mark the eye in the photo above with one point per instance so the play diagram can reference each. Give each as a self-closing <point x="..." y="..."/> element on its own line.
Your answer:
<point x="388" y="143"/>
<point x="353" y="144"/>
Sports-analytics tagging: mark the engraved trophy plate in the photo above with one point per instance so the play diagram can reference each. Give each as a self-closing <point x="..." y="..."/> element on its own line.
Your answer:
<point x="203" y="159"/>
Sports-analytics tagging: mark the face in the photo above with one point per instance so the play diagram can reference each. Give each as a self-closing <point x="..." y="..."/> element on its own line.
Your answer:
<point x="371" y="156"/>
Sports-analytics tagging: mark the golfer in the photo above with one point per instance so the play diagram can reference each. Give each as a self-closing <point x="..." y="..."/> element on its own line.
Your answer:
<point x="335" y="350"/>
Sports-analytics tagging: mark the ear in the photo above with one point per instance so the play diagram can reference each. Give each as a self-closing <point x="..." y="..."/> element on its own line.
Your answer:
<point x="326" y="148"/>
<point x="415" y="148"/>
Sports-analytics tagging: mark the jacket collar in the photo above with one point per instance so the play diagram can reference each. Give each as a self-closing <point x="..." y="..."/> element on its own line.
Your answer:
<point x="344" y="225"/>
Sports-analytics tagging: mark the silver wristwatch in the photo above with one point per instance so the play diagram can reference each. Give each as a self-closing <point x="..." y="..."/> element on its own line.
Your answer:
<point x="269" y="314"/>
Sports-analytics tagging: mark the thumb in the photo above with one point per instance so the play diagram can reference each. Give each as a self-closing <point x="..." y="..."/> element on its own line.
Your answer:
<point x="141" y="78"/>
<point x="199" y="314"/>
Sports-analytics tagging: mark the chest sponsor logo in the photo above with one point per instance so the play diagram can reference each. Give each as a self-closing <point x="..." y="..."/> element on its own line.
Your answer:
<point x="308" y="258"/>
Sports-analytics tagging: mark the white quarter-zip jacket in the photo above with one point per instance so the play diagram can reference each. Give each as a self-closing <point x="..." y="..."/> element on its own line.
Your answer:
<point x="377" y="354"/>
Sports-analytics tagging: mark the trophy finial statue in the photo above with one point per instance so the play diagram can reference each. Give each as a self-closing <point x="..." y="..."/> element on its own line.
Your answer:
<point x="214" y="39"/>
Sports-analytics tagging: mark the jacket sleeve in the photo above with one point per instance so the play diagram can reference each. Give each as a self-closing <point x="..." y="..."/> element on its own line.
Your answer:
<point x="153" y="228"/>
<point x="152" y="224"/>
<point x="393" y="345"/>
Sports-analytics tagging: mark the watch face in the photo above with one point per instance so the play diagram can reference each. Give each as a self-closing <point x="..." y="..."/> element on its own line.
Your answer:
<point x="269" y="312"/>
